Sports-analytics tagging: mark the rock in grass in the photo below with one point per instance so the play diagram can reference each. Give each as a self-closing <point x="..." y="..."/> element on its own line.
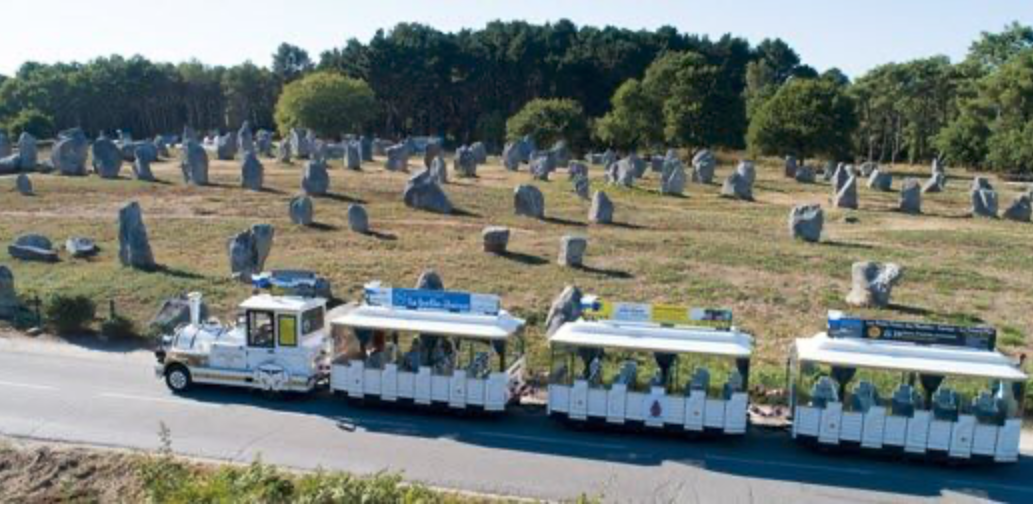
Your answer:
<point x="566" y="307"/>
<point x="107" y="158"/>
<point x="528" y="201"/>
<point x="704" y="164"/>
<point x="847" y="197"/>
<point x="872" y="283"/>
<point x="576" y="170"/>
<point x="805" y="175"/>
<point x="8" y="297"/>
<point x="70" y="153"/>
<point x="358" y="221"/>
<point x="806" y="222"/>
<point x="301" y="210"/>
<point x="194" y="164"/>
<point x="480" y="153"/>
<point x="984" y="203"/>
<point x="790" y="167"/>
<point x="581" y="187"/>
<point x="495" y="239"/>
<point x="936" y="183"/>
<point x="353" y="157"/>
<point x="245" y="139"/>
<point x="23" y="185"/>
<point x="881" y="180"/>
<point x="33" y="248"/>
<point x="673" y="177"/>
<point x="572" y="251"/>
<point x="423" y="192"/>
<point x="737" y="187"/>
<point x="134" y="247"/>
<point x="602" y="210"/>
<point x="911" y="201"/>
<point x="747" y="171"/>
<point x="316" y="179"/>
<point x="142" y="165"/>
<point x="81" y="247"/>
<point x="1020" y="209"/>
<point x="430" y="280"/>
<point x="249" y="251"/>
<point x="252" y="172"/>
<point x="173" y="313"/>
<point x="465" y="164"/>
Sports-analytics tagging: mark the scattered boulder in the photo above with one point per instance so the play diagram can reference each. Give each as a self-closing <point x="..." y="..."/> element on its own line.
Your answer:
<point x="828" y="171"/>
<point x="704" y="164"/>
<point x="911" y="201"/>
<point x="576" y="170"/>
<point x="8" y="297"/>
<point x="622" y="173"/>
<point x="560" y="154"/>
<point x="226" y="147"/>
<point x="142" y="162"/>
<point x="23" y="185"/>
<point x="27" y="152"/>
<point x="747" y="171"/>
<point x="479" y="152"/>
<point x="264" y="143"/>
<point x="512" y="156"/>
<point x="581" y="187"/>
<point x="107" y="158"/>
<point x="423" y="192"/>
<point x="353" y="158"/>
<point x="805" y="174"/>
<point x="465" y="163"/>
<point x="602" y="210"/>
<point x="528" y="201"/>
<point x="439" y="170"/>
<point x="843" y="174"/>
<point x="790" y="167"/>
<point x="5" y="145"/>
<point x="283" y="153"/>
<point x="430" y="280"/>
<point x="365" y="149"/>
<point x="984" y="203"/>
<point x="868" y="168"/>
<point x="567" y="307"/>
<point x="81" y="247"/>
<point x="252" y="172"/>
<point x="847" y="197"/>
<point x="872" y="283"/>
<point x="806" y="223"/>
<point x="572" y="251"/>
<point x="301" y="211"/>
<point x="431" y="151"/>
<point x="737" y="187"/>
<point x="249" y="250"/>
<point x="397" y="158"/>
<point x="1020" y="208"/>
<point x="194" y="164"/>
<point x="936" y="183"/>
<point x="189" y="135"/>
<point x="33" y="248"/>
<point x="495" y="239"/>
<point x="173" y="313"/>
<point x="981" y="183"/>
<point x="134" y="248"/>
<point x="880" y="180"/>
<point x="657" y="164"/>
<point x="299" y="141"/>
<point x="937" y="166"/>
<point x="69" y="154"/>
<point x="245" y="139"/>
<point x="358" y="221"/>
<point x="542" y="166"/>
<point x="608" y="157"/>
<point x="673" y="177"/>
<point x="315" y="179"/>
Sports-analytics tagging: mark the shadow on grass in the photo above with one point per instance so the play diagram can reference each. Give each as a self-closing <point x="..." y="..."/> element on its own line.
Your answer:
<point x="463" y="213"/>
<point x="272" y="191"/>
<point x="847" y="245"/>
<point x="177" y="273"/>
<point x="324" y="227"/>
<point x="381" y="236"/>
<point x="607" y="273"/>
<point x="627" y="226"/>
<point x="523" y="258"/>
<point x="953" y="318"/>
<point x="561" y="221"/>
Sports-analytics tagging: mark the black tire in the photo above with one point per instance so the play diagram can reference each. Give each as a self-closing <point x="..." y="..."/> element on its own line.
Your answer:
<point x="178" y="379"/>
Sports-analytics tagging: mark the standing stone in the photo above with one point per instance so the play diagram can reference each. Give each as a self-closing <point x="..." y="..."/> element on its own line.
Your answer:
<point x="252" y="172"/>
<point x="841" y="177"/>
<point x="299" y="140"/>
<point x="984" y="203"/>
<point x="937" y="166"/>
<point x="249" y="251"/>
<point x="935" y="184"/>
<point x="829" y="171"/>
<point x="23" y="185"/>
<point x="847" y="197"/>
<point x="572" y="251"/>
<point x="872" y="283"/>
<point x="69" y="154"/>
<point x="566" y="308"/>
<point x="479" y="152"/>
<point x="315" y="179"/>
<point x="8" y="297"/>
<point x="432" y="150"/>
<point x="397" y="158"/>
<point x="27" y="152"/>
<point x="911" y="201"/>
<point x="638" y="165"/>
<point x="737" y="187"/>
<point x="806" y="223"/>
<point x="880" y="180"/>
<point x="264" y="143"/>
<point x="134" y="249"/>
<point x="542" y="166"/>
<point x="981" y="183"/>
<point x="283" y="153"/>
<point x="226" y="147"/>
<point x="107" y="158"/>
<point x="365" y="149"/>
<point x="528" y="201"/>
<point x="747" y="171"/>
<point x="5" y="148"/>
<point x="194" y="164"/>
<point x="581" y="187"/>
<point x="576" y="170"/>
<point x="608" y="158"/>
<point x="353" y="158"/>
<point x="245" y="140"/>
<point x="301" y="211"/>
<point x="33" y="248"/>
<point x="512" y="156"/>
<point x="528" y="148"/>
<point x="439" y="170"/>
<point x="465" y="163"/>
<point x="142" y="166"/>
<point x="790" y="167"/>
<point x="657" y="164"/>
<point x="358" y="221"/>
<point x="805" y="175"/>
<point x="422" y="192"/>
<point x="602" y="210"/>
<point x="560" y="154"/>
<point x="704" y="163"/>
<point x="81" y="247"/>
<point x="673" y="177"/>
<point x="495" y="239"/>
<point x="429" y="280"/>
<point x="868" y="168"/>
<point x="1020" y="208"/>
<point x="189" y="135"/>
<point x="622" y="173"/>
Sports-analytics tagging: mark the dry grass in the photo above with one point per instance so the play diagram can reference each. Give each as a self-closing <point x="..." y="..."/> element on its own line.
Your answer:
<point x="698" y="250"/>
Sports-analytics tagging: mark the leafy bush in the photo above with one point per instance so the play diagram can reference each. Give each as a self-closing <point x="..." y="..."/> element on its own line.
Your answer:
<point x="329" y="103"/>
<point x="118" y="327"/>
<point x="549" y="121"/>
<point x="68" y="314"/>
<point x="805" y="118"/>
<point x="36" y="123"/>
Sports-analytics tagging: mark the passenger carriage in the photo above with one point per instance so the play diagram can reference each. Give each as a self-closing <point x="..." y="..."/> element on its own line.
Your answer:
<point x="908" y="388"/>
<point x="455" y="350"/>
<point x="658" y="367"/>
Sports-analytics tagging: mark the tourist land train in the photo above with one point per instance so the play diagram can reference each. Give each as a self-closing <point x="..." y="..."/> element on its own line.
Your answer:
<point x="929" y="391"/>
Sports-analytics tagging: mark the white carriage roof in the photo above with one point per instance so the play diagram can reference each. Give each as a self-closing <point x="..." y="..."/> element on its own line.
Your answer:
<point x="655" y="338"/>
<point x="266" y="302"/>
<point x="491" y="327"/>
<point x="907" y="357"/>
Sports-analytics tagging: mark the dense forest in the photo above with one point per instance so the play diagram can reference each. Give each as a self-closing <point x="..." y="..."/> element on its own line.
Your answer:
<point x="638" y="89"/>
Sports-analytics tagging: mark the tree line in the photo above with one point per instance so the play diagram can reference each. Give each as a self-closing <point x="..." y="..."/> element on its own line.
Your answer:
<point x="634" y="90"/>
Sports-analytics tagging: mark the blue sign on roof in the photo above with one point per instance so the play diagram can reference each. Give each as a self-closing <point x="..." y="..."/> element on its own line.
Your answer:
<point x="979" y="338"/>
<point x="428" y="300"/>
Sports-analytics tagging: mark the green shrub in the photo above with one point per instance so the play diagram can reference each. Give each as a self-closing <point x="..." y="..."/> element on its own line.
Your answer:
<point x="328" y="103"/>
<point x="36" y="123"/>
<point x="119" y="327"/>
<point x="68" y="314"/>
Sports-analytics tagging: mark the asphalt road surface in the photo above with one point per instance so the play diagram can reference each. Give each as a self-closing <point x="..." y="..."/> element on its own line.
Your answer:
<point x="63" y="393"/>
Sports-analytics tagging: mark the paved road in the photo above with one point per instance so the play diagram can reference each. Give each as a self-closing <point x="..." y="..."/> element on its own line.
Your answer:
<point x="61" y="393"/>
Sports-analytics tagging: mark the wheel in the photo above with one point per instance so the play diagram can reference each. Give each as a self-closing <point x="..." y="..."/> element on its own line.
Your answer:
<point x="178" y="379"/>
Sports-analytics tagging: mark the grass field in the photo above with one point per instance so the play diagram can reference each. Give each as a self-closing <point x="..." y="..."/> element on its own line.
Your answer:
<point x="700" y="250"/>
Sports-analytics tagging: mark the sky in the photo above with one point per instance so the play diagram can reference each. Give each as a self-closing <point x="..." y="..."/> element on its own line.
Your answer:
<point x="854" y="36"/>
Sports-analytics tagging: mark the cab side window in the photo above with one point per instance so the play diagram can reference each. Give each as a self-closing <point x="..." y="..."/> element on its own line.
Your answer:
<point x="260" y="329"/>
<point x="288" y="330"/>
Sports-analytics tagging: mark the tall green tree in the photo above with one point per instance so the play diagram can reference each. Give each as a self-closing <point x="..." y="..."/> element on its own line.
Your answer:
<point x="326" y="102"/>
<point x="635" y="121"/>
<point x="291" y="62"/>
<point x="805" y="118"/>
